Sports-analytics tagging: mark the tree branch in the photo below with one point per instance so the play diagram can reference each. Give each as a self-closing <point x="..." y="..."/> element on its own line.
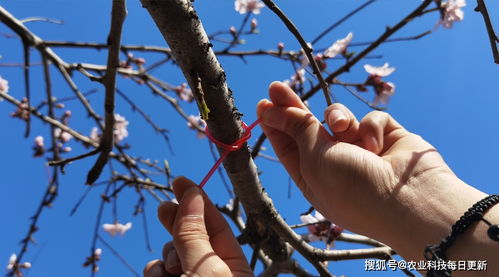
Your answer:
<point x="481" y="8"/>
<point x="118" y="15"/>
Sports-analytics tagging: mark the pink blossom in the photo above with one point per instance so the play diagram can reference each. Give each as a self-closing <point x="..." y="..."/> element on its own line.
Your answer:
<point x="94" y="135"/>
<point x="39" y="147"/>
<point x="4" y="85"/>
<point x="339" y="47"/>
<point x="320" y="228"/>
<point x="254" y="24"/>
<point x="97" y="253"/>
<point x="381" y="71"/>
<point x="120" y="128"/>
<point x="196" y="123"/>
<point x="12" y="261"/>
<point x="39" y="141"/>
<point x="184" y="93"/>
<point x="452" y="13"/>
<point x="117" y="227"/>
<point x="383" y="94"/>
<point x="248" y="6"/>
<point x="382" y="89"/>
<point x="62" y="135"/>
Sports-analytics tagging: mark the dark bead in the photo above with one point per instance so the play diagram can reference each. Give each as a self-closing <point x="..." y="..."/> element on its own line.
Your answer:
<point x="493" y="232"/>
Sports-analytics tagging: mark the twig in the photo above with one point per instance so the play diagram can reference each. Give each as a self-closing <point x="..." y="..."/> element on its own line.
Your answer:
<point x="26" y="55"/>
<point x="44" y="19"/>
<point x="235" y="38"/>
<point x="117" y="254"/>
<point x="415" y="37"/>
<point x="343" y="19"/>
<point x="354" y="60"/>
<point x="306" y="48"/>
<point x="163" y="132"/>
<point x="33" y="40"/>
<point x="481" y="8"/>
<point x="118" y="15"/>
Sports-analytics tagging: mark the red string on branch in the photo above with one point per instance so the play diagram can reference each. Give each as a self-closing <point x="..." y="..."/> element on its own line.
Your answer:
<point x="236" y="145"/>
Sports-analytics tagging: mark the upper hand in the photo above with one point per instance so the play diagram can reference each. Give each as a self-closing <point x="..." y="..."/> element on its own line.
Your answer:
<point x="372" y="177"/>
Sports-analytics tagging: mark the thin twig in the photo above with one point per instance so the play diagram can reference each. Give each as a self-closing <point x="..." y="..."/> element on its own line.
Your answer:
<point x="481" y="8"/>
<point x="343" y="19"/>
<point x="306" y="48"/>
<point x="117" y="254"/>
<point x="354" y="60"/>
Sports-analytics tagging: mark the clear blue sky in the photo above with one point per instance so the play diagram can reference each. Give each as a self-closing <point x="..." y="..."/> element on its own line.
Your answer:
<point x="446" y="92"/>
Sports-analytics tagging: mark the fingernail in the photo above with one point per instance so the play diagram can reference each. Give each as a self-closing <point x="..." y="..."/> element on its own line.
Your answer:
<point x="172" y="260"/>
<point x="192" y="202"/>
<point x="336" y="116"/>
<point x="157" y="270"/>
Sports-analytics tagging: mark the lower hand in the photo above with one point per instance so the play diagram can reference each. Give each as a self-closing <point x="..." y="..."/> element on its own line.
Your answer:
<point x="203" y="243"/>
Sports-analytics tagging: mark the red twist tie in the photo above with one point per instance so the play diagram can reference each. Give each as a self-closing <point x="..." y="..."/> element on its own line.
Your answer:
<point x="236" y="145"/>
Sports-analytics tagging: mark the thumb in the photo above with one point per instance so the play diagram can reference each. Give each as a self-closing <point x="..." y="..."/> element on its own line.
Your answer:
<point x="190" y="236"/>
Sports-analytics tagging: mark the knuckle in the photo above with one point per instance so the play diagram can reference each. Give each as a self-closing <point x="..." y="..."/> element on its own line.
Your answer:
<point x="190" y="229"/>
<point x="298" y="128"/>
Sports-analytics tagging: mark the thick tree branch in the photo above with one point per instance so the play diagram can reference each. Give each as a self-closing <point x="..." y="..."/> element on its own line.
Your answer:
<point x="193" y="53"/>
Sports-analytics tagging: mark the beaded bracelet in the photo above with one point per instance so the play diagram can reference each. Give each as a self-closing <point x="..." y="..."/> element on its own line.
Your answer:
<point x="474" y="214"/>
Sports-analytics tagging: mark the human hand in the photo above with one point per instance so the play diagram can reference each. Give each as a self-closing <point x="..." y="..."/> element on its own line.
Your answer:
<point x="203" y="243"/>
<point x="372" y="177"/>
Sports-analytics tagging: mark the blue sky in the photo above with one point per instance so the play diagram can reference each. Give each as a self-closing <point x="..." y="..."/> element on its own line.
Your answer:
<point x="446" y="91"/>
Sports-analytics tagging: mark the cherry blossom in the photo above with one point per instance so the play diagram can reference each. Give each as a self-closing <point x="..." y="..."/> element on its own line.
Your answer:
<point x="248" y="6"/>
<point x="22" y="110"/>
<point x="320" y="228"/>
<point x="62" y="135"/>
<point x="452" y="13"/>
<point x="94" y="135"/>
<point x="117" y="227"/>
<point x="4" y="85"/>
<point x="184" y="93"/>
<point x="254" y="25"/>
<point x="39" y="147"/>
<point x="13" y="262"/>
<point x="296" y="79"/>
<point x="382" y="89"/>
<point x="339" y="47"/>
<point x="120" y="128"/>
<point x="381" y="71"/>
<point x="196" y="123"/>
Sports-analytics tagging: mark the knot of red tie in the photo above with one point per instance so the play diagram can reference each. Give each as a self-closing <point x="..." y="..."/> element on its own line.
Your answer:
<point x="236" y="145"/>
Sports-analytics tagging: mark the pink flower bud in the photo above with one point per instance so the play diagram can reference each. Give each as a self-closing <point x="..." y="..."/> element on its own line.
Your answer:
<point x="253" y="25"/>
<point x="233" y="30"/>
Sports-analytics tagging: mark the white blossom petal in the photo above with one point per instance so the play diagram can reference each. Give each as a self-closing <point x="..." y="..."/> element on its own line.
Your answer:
<point x="339" y="46"/>
<point x="381" y="71"/>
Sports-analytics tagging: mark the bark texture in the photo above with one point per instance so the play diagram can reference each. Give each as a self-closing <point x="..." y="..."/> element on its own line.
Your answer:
<point x="180" y="26"/>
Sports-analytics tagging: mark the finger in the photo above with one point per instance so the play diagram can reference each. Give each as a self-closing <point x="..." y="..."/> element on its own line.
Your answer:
<point x="282" y="95"/>
<point x="373" y="128"/>
<point x="191" y="238"/>
<point x="300" y="125"/>
<point x="167" y="212"/>
<point x="342" y="122"/>
<point x="155" y="269"/>
<point x="284" y="146"/>
<point x="220" y="234"/>
<point x="171" y="260"/>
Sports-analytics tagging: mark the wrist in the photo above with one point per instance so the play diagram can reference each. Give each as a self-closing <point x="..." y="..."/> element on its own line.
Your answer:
<point x="425" y="209"/>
